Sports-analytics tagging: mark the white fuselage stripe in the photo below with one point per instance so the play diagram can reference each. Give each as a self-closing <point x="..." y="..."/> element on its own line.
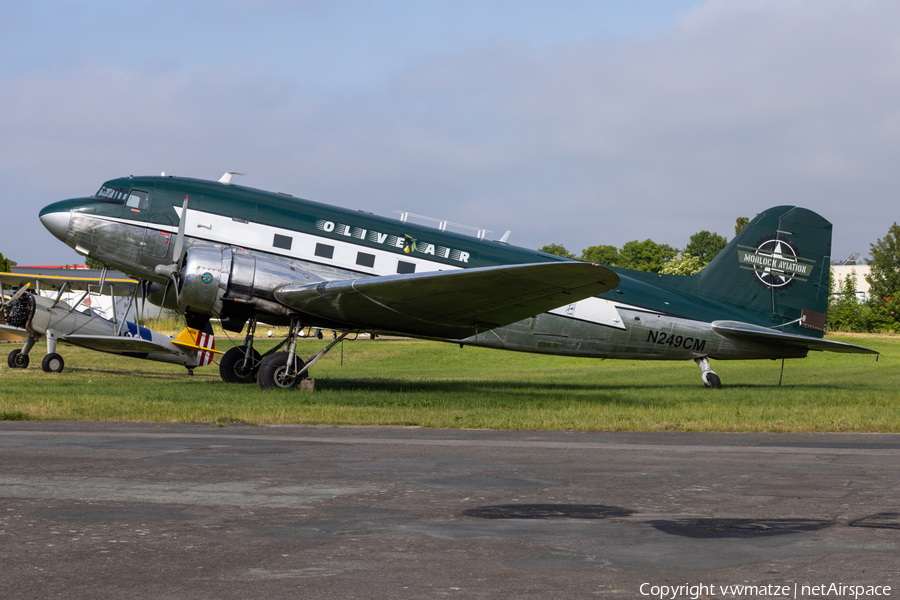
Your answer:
<point x="259" y="237"/>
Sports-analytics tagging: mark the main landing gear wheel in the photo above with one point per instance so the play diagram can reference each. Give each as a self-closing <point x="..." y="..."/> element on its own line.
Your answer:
<point x="274" y="373"/>
<point x="53" y="363"/>
<point x="232" y="367"/>
<point x="17" y="360"/>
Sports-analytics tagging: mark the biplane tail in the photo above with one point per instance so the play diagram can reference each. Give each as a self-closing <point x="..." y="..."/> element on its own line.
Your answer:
<point x="201" y="342"/>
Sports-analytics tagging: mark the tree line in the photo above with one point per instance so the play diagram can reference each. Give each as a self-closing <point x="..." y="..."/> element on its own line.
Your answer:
<point x="650" y="256"/>
<point x="880" y="312"/>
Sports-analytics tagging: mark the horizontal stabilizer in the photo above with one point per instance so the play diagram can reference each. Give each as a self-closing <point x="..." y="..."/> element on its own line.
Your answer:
<point x="114" y="343"/>
<point x="449" y="304"/>
<point x="764" y="335"/>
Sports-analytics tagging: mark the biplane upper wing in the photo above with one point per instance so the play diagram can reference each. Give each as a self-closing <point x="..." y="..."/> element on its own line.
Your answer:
<point x="122" y="286"/>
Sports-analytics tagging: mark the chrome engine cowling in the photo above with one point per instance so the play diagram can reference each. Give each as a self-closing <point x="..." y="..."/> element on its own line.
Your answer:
<point x="205" y="277"/>
<point x="211" y="276"/>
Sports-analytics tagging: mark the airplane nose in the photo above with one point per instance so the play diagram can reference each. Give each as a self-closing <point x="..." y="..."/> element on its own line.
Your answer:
<point x="56" y="217"/>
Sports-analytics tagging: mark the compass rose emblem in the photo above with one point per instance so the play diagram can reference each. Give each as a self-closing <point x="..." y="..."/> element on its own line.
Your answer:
<point x="775" y="263"/>
<point x="781" y="267"/>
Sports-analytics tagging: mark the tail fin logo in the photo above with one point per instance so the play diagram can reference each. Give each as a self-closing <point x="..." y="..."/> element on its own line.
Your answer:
<point x="775" y="263"/>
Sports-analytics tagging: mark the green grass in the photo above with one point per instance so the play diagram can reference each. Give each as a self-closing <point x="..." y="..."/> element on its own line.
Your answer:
<point x="429" y="384"/>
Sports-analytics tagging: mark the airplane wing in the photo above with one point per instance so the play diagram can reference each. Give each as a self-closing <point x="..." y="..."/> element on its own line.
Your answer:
<point x="449" y="304"/>
<point x="114" y="343"/>
<point x="123" y="287"/>
<point x="764" y="335"/>
<point x="14" y="331"/>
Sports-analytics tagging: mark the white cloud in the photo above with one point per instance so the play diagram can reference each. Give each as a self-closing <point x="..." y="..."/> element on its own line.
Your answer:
<point x="741" y="106"/>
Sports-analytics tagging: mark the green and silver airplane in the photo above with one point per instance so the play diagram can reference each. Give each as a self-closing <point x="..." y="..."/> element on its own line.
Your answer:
<point x="215" y="249"/>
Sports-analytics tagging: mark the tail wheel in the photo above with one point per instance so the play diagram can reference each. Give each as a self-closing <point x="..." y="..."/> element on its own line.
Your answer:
<point x="712" y="381"/>
<point x="53" y="363"/>
<point x="232" y="368"/>
<point x="17" y="360"/>
<point x="273" y="372"/>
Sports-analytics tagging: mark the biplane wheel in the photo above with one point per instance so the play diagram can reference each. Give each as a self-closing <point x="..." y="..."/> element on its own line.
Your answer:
<point x="231" y="367"/>
<point x="17" y="360"/>
<point x="712" y="381"/>
<point x="53" y="363"/>
<point x="273" y="373"/>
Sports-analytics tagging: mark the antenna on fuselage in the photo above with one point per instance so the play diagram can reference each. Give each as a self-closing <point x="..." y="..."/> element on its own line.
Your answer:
<point x="442" y="223"/>
<point x="226" y="178"/>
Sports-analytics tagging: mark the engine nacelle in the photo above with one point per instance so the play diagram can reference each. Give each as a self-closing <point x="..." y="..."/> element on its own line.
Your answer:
<point x="205" y="279"/>
<point x="211" y="275"/>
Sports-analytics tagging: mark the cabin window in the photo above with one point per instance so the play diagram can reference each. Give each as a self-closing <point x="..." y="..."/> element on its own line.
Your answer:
<point x="365" y="260"/>
<point x="404" y="267"/>
<point x="324" y="250"/>
<point x="284" y="242"/>
<point x="137" y="200"/>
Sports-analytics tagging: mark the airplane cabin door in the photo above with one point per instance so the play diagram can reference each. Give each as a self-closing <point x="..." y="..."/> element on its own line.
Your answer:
<point x="156" y="243"/>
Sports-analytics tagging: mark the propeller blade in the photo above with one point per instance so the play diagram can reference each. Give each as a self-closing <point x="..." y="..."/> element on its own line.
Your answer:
<point x="178" y="251"/>
<point x="177" y="291"/>
<point x="15" y="296"/>
<point x="163" y="303"/>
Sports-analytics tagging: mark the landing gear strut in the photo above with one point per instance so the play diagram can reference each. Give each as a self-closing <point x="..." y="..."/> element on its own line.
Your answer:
<point x="285" y="370"/>
<point x="710" y="379"/>
<point x="241" y="363"/>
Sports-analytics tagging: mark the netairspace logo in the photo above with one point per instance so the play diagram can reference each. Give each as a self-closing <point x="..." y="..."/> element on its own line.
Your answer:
<point x="795" y="591"/>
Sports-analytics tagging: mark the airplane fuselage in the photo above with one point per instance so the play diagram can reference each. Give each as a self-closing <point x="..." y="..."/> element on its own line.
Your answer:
<point x="266" y="239"/>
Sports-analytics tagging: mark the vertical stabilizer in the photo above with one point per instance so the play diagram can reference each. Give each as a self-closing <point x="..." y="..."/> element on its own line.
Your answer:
<point x="775" y="270"/>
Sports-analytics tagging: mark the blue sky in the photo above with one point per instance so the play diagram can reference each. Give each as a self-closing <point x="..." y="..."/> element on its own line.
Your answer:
<point x="579" y="123"/>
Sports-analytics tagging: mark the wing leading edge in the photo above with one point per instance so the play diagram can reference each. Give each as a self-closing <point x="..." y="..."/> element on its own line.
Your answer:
<point x="75" y="284"/>
<point x="764" y="335"/>
<point x="449" y="304"/>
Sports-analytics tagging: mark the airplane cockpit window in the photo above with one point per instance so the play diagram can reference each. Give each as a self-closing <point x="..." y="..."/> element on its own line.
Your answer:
<point x="113" y="193"/>
<point x="137" y="200"/>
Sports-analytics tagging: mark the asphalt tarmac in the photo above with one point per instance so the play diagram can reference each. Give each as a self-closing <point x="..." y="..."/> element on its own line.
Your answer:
<point x="124" y="510"/>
